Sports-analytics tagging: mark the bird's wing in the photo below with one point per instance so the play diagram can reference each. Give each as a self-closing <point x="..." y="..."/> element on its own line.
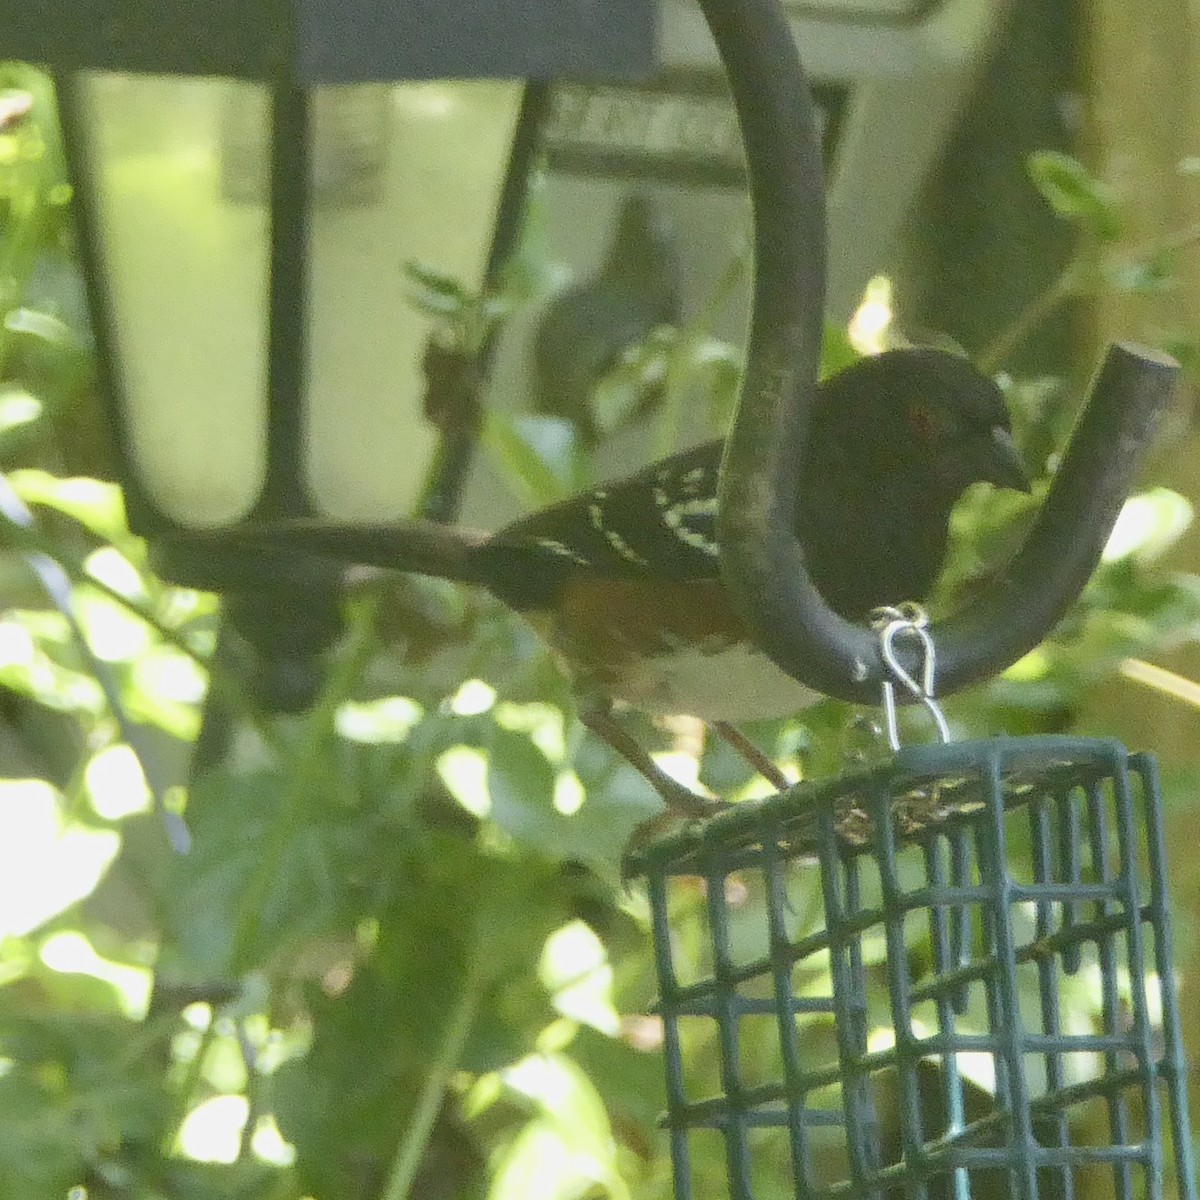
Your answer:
<point x="658" y="522"/>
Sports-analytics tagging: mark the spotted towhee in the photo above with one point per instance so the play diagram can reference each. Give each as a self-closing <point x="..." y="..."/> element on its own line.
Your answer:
<point x="623" y="581"/>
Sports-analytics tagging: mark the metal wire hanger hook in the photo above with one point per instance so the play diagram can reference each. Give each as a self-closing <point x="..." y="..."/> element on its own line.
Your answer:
<point x="912" y="621"/>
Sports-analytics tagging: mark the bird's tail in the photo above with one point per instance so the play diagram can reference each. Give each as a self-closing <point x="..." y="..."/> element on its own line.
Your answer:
<point x="421" y="547"/>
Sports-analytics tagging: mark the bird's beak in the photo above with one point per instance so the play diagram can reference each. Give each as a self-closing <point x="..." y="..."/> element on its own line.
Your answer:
<point x="1002" y="462"/>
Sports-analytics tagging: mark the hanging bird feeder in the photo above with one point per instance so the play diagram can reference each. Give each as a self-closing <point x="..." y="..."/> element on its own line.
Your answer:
<point x="920" y="849"/>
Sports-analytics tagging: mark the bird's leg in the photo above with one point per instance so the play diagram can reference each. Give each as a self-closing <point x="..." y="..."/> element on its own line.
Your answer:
<point x="680" y="800"/>
<point x="752" y="754"/>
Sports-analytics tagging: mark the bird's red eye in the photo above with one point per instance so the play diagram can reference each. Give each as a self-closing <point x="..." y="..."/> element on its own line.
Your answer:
<point x="922" y="421"/>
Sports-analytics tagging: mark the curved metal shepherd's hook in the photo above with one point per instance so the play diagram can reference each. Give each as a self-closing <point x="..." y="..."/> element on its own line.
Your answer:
<point x="762" y="561"/>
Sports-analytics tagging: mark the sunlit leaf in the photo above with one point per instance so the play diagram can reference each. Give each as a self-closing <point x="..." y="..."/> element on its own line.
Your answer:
<point x="116" y="784"/>
<point x="43" y="667"/>
<point x="69" y="952"/>
<point x="538" y="454"/>
<point x="437" y="288"/>
<point x="19" y="412"/>
<point x="567" y="1151"/>
<point x="1149" y="524"/>
<point x="212" y="1131"/>
<point x="868" y="331"/>
<point x="390" y="719"/>
<point x="94" y="504"/>
<point x="575" y="969"/>
<point x="45" y="863"/>
<point x="1074" y="193"/>
<point x="464" y="771"/>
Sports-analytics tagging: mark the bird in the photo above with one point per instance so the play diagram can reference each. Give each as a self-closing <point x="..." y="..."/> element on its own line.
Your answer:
<point x="623" y="581"/>
<point x="584" y="332"/>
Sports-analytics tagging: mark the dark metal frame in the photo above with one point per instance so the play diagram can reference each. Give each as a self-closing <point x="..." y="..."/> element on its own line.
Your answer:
<point x="283" y="491"/>
<point x="925" y="839"/>
<point x="308" y="42"/>
<point x="460" y="430"/>
<point x="591" y="153"/>
<point x="816" y="12"/>
<point x="286" y="604"/>
<point x="291" y="201"/>
<point x="284" y="495"/>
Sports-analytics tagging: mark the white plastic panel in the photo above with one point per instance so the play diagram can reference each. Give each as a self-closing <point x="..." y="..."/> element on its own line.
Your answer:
<point x="186" y="273"/>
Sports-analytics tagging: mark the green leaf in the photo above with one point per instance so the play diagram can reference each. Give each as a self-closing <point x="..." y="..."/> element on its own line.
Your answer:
<point x="1074" y="193"/>
<point x="837" y="351"/>
<point x="538" y="455"/>
<point x="531" y="271"/>
<point x="1151" y="276"/>
<point x="622" y="393"/>
<point x="54" y="336"/>
<point x="46" y="666"/>
<point x="264" y="874"/>
<point x="1149" y="524"/>
<point x="73" y="1098"/>
<point x="521" y="785"/>
<point x="436" y="306"/>
<point x="438" y="287"/>
<point x="719" y="370"/>
<point x="20" y="414"/>
<point x="96" y="505"/>
<point x="567" y="1150"/>
<point x="630" y="1080"/>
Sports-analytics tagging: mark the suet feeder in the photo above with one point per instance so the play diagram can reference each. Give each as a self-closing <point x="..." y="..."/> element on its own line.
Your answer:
<point x="963" y="890"/>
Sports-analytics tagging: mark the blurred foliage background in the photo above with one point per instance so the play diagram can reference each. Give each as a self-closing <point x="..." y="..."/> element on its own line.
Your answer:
<point x="398" y="959"/>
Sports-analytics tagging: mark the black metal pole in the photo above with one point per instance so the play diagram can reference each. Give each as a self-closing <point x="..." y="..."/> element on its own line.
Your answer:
<point x="452" y="398"/>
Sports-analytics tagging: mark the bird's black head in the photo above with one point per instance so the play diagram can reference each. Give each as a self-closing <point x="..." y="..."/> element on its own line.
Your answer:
<point x="927" y="415"/>
<point x="895" y="440"/>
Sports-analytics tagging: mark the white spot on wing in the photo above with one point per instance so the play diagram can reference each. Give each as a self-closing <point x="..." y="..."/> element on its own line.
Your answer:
<point x="675" y="512"/>
<point x="676" y="517"/>
<point x="706" y="507"/>
<point x="622" y="547"/>
<point x="700" y="541"/>
<point x="561" y="548"/>
<point x="596" y="510"/>
<point x="611" y="536"/>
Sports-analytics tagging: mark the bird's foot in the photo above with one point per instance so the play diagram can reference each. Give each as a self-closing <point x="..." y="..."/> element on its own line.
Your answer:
<point x="659" y="825"/>
<point x="682" y="806"/>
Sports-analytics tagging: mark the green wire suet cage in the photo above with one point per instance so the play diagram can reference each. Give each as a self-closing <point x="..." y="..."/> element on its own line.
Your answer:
<point x="963" y="890"/>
